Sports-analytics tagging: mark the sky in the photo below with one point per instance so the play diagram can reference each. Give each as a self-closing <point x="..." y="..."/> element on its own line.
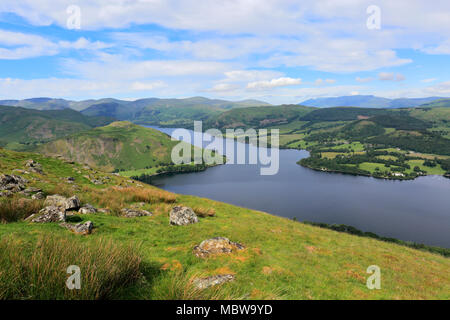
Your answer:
<point x="279" y="51"/>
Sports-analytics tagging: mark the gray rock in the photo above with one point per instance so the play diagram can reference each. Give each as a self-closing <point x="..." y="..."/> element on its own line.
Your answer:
<point x="38" y="196"/>
<point x="203" y="283"/>
<point x="72" y="203"/>
<point x="31" y="190"/>
<point x="104" y="210"/>
<point x="181" y="216"/>
<point x="12" y="182"/>
<point x="215" y="246"/>
<point x="34" y="166"/>
<point x="79" y="228"/>
<point x="132" y="213"/>
<point x="49" y="214"/>
<point x="87" y="209"/>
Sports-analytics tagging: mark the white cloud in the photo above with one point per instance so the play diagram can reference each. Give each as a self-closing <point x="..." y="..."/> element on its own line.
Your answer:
<point x="223" y="87"/>
<point x="442" y="48"/>
<point x="364" y="80"/>
<point x="428" y="80"/>
<point x="274" y="83"/>
<point x="18" y="45"/>
<point x="320" y="81"/>
<point x="121" y="68"/>
<point x="146" y="86"/>
<point x="390" y="76"/>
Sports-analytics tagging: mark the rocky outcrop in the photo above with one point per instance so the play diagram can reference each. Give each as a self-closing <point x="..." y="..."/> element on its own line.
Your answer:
<point x="72" y="203"/>
<point x="31" y="190"/>
<point x="216" y="246"/>
<point x="34" y="166"/>
<point x="12" y="183"/>
<point x="79" y="228"/>
<point x="203" y="283"/>
<point x="132" y="213"/>
<point x="49" y="214"/>
<point x="181" y="216"/>
<point x="87" y="209"/>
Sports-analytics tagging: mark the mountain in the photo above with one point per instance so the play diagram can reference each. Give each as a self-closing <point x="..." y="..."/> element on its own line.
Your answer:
<point x="367" y="101"/>
<point x="21" y="128"/>
<point x="167" y="112"/>
<point x="257" y="117"/>
<point x="440" y="103"/>
<point x="118" y="146"/>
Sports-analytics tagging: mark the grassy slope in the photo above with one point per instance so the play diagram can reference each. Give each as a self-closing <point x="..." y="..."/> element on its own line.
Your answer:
<point x="120" y="145"/>
<point x="283" y="259"/>
<point x="20" y="125"/>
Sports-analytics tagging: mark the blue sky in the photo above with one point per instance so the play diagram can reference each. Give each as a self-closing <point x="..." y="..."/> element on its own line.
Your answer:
<point x="280" y="51"/>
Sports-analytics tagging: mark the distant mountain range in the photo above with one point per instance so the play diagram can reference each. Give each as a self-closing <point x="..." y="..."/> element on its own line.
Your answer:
<point x="368" y="101"/>
<point x="58" y="104"/>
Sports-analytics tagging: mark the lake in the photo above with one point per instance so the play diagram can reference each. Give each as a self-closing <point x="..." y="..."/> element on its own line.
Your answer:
<point x="417" y="210"/>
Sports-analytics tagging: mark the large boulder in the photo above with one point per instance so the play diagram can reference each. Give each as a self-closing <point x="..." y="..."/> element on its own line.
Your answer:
<point x="87" y="209"/>
<point x="203" y="283"/>
<point x="38" y="196"/>
<point x="49" y="214"/>
<point x="79" y="228"/>
<point x="12" y="182"/>
<point x="214" y="246"/>
<point x="181" y="216"/>
<point x="72" y="203"/>
<point x="132" y="213"/>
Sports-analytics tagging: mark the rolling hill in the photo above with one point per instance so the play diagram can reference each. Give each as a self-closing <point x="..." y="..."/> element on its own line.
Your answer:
<point x="367" y="101"/>
<point x="117" y="146"/>
<point x="22" y="128"/>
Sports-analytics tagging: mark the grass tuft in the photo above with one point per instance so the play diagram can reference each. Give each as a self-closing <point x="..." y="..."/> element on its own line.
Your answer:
<point x="38" y="270"/>
<point x="15" y="209"/>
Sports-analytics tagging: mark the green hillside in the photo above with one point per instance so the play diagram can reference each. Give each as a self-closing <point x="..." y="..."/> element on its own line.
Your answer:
<point x="118" y="146"/>
<point x="384" y="143"/>
<point x="166" y="112"/>
<point x="22" y="128"/>
<point x="258" y="117"/>
<point x="147" y="258"/>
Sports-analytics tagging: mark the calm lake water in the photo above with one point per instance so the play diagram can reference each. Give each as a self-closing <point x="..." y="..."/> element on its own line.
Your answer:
<point x="416" y="210"/>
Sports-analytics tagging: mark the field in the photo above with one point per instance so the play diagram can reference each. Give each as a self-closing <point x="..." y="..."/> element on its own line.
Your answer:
<point x="282" y="259"/>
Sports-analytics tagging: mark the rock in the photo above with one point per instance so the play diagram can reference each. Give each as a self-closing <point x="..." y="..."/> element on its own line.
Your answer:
<point x="181" y="216"/>
<point x="87" y="209"/>
<point x="72" y="203"/>
<point x="31" y="190"/>
<point x="34" y="166"/>
<point x="79" y="228"/>
<point x="215" y="246"/>
<point x="49" y="214"/>
<point x="104" y="210"/>
<point x="12" y="182"/>
<point x="70" y="179"/>
<point x="6" y="193"/>
<point x="137" y="205"/>
<point x="203" y="283"/>
<point x="132" y="213"/>
<point x="38" y="196"/>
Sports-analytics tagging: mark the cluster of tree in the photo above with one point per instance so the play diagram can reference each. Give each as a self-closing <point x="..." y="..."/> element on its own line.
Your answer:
<point x="425" y="143"/>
